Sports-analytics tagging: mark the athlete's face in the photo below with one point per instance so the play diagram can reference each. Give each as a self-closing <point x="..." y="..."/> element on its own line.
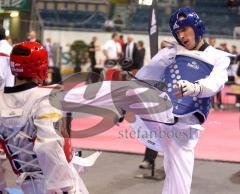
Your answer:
<point x="187" y="37"/>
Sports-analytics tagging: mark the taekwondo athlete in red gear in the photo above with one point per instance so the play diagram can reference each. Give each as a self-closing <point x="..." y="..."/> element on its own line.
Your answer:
<point x="194" y="71"/>
<point x="31" y="129"/>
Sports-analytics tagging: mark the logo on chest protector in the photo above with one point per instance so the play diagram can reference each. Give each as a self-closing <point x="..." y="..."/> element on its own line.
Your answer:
<point x="193" y="65"/>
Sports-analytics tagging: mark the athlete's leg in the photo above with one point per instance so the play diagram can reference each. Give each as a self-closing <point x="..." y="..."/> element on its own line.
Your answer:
<point x="179" y="157"/>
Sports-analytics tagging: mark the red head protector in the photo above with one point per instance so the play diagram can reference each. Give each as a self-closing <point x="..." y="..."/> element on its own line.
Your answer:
<point x="29" y="60"/>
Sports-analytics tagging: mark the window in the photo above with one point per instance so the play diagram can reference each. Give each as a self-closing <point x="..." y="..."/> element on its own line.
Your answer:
<point x="102" y="8"/>
<point x="40" y="5"/>
<point x="61" y="6"/>
<point x="71" y="6"/>
<point x="91" y="7"/>
<point x="81" y="7"/>
<point x="50" y="5"/>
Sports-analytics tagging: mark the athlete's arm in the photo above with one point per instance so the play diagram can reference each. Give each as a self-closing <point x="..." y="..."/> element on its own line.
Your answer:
<point x="49" y="147"/>
<point x="216" y="80"/>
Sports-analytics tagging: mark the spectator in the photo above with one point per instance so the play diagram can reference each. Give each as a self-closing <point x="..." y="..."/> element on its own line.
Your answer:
<point x="48" y="46"/>
<point x="223" y="47"/>
<point x="32" y="37"/>
<point x="92" y="51"/>
<point x="93" y="47"/>
<point x="54" y="75"/>
<point x="140" y="54"/>
<point x="121" y="41"/>
<point x="234" y="50"/>
<point x="112" y="49"/>
<point x="130" y="52"/>
<point x="118" y="22"/>
<point x="6" y="79"/>
<point x="9" y="39"/>
<point x="109" y="25"/>
<point x="15" y="41"/>
<point x="212" y="42"/>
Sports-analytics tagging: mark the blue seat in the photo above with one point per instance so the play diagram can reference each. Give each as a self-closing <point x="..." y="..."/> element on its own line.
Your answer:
<point x="78" y="19"/>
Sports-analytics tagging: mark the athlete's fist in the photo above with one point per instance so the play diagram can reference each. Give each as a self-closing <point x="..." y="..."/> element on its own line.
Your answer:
<point x="187" y="88"/>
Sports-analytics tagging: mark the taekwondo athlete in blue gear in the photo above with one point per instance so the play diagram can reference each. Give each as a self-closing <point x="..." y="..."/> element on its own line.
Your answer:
<point x="194" y="71"/>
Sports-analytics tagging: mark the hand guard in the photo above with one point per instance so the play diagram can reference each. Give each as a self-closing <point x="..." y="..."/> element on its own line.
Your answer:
<point x="119" y="118"/>
<point x="189" y="89"/>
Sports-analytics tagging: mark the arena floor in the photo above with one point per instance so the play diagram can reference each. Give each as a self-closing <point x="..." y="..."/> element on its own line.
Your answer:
<point x="219" y="141"/>
<point x="114" y="173"/>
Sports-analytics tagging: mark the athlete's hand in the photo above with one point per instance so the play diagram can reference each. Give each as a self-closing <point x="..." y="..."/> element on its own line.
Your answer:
<point x="187" y="88"/>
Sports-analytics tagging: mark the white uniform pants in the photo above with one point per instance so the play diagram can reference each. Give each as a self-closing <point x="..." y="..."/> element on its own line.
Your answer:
<point x="177" y="143"/>
<point x="37" y="186"/>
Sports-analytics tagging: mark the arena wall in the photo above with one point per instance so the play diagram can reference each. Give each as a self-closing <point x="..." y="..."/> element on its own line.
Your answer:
<point x="66" y="38"/>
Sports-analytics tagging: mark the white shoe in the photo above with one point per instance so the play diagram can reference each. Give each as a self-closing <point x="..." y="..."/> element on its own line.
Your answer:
<point x="145" y="165"/>
<point x="237" y="105"/>
<point x="221" y="106"/>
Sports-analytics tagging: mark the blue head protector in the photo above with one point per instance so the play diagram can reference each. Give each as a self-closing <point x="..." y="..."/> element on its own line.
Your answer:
<point x="190" y="19"/>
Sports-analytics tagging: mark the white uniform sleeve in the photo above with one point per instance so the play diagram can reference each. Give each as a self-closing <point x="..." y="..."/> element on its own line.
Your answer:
<point x="49" y="147"/>
<point x="156" y="67"/>
<point x="6" y="77"/>
<point x="106" y="46"/>
<point x="217" y="78"/>
<point x="9" y="82"/>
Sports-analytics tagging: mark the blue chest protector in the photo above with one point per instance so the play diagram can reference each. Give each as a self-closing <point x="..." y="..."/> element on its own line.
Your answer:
<point x="191" y="69"/>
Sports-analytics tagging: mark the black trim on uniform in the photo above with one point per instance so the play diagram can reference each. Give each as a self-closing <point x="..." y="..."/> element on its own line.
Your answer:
<point x="149" y="120"/>
<point x="204" y="46"/>
<point x="20" y="88"/>
<point x="199" y="117"/>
